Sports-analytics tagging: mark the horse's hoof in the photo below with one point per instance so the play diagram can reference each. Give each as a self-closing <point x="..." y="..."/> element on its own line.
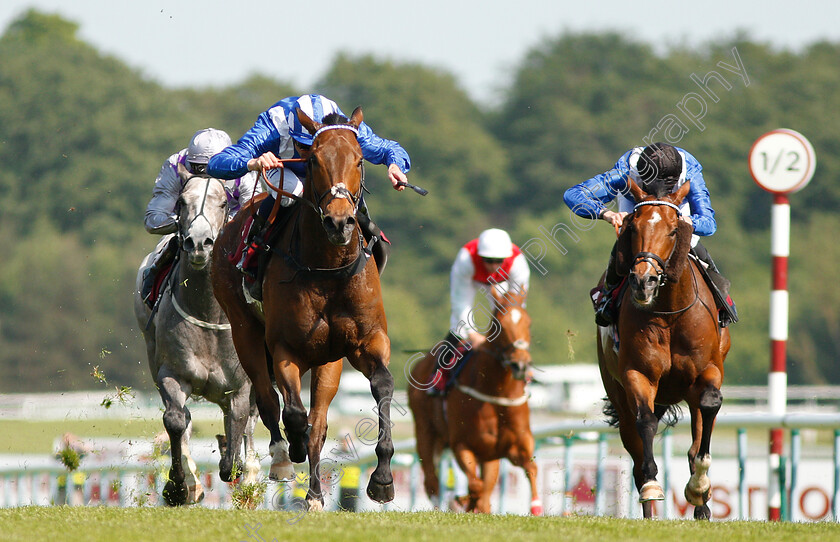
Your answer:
<point x="698" y="497"/>
<point x="380" y="492"/>
<point x="702" y="512"/>
<point x="651" y="491"/>
<point x="281" y="472"/>
<point x="315" y="505"/>
<point x="196" y="494"/>
<point x="175" y="494"/>
<point x="536" y="508"/>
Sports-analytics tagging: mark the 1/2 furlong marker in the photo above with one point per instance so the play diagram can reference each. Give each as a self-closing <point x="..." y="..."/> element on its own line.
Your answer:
<point x="782" y="162"/>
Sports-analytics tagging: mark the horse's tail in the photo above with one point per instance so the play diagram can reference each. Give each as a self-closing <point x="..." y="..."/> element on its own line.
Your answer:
<point x="669" y="415"/>
<point x="610" y="412"/>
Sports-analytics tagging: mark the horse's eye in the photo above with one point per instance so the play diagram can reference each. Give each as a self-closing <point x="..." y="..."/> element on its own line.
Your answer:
<point x="360" y="163"/>
<point x="673" y="233"/>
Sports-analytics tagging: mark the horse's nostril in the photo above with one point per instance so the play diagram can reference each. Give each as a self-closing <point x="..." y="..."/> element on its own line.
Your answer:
<point x="351" y="221"/>
<point x="189" y="244"/>
<point x="208" y="243"/>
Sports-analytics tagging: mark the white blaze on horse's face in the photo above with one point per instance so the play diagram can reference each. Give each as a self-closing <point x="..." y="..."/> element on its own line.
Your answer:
<point x="203" y="208"/>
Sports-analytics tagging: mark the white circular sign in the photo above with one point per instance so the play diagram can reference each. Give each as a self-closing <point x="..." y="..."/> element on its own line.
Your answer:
<point x="782" y="161"/>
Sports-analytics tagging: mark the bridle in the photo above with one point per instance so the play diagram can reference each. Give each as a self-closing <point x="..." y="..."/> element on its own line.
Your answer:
<point x="658" y="264"/>
<point x="200" y="213"/>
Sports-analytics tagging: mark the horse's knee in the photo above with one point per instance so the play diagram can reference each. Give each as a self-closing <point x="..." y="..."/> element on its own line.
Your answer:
<point x="711" y="399"/>
<point x="175" y="421"/>
<point x="295" y="419"/>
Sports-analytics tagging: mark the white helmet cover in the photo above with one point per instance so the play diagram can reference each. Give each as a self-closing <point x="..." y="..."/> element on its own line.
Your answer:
<point x="205" y="143"/>
<point x="495" y="243"/>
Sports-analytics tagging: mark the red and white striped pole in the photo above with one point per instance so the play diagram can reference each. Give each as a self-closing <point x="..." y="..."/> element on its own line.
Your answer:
<point x="777" y="379"/>
<point x="781" y="162"/>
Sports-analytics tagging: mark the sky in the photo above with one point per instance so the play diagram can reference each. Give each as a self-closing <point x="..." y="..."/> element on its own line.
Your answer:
<point x="219" y="43"/>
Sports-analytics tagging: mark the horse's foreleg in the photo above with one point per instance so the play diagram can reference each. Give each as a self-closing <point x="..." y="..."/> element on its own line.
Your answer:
<point x="295" y="421"/>
<point x="176" y="420"/>
<point x="236" y="418"/>
<point x="324" y="386"/>
<point x="372" y="360"/>
<point x="698" y="490"/>
<point x="250" y="346"/>
<point x="489" y="477"/>
<point x="469" y="465"/>
<point x="252" y="463"/>
<point x="640" y="394"/>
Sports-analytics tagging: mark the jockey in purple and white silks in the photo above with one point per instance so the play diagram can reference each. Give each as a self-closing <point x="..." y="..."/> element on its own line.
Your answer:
<point x="162" y="211"/>
<point x="658" y="163"/>
<point x="276" y="135"/>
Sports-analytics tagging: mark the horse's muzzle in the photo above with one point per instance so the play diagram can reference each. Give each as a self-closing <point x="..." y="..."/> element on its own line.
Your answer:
<point x="198" y="253"/>
<point x="339" y="230"/>
<point x="643" y="288"/>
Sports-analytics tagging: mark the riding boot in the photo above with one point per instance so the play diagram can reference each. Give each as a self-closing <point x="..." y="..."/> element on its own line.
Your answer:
<point x="720" y="286"/>
<point x="381" y="246"/>
<point x="161" y="262"/>
<point x="602" y="297"/>
<point x="456" y="348"/>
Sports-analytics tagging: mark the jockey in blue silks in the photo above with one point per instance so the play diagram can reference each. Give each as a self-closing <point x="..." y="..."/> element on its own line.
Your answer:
<point x="162" y="211"/>
<point x="656" y="164"/>
<point x="277" y="134"/>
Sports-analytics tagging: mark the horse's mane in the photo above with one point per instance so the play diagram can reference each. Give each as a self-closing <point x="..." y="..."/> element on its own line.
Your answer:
<point x="334" y="119"/>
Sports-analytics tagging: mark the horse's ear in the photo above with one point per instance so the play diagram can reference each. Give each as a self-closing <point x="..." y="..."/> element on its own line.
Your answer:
<point x="636" y="191"/>
<point x="310" y="125"/>
<point x="681" y="193"/>
<point x="623" y="255"/>
<point x="679" y="257"/>
<point x="357" y="117"/>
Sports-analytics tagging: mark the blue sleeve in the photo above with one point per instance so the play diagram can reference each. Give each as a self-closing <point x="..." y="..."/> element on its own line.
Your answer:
<point x="232" y="162"/>
<point x="699" y="201"/>
<point x="588" y="198"/>
<point x="377" y="150"/>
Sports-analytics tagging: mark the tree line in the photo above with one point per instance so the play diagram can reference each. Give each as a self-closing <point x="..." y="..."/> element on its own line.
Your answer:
<point x="83" y="137"/>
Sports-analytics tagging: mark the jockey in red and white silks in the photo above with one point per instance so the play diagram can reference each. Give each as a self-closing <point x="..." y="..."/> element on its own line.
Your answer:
<point x="491" y="260"/>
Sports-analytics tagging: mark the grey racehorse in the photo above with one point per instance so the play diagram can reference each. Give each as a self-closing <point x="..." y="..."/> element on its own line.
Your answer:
<point x="190" y="348"/>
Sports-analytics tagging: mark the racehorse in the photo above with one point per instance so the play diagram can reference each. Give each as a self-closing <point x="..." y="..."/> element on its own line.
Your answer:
<point x="671" y="348"/>
<point x="189" y="345"/>
<point x="486" y="415"/>
<point x="321" y="302"/>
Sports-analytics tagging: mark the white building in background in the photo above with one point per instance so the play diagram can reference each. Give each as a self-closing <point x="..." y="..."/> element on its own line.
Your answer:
<point x="567" y="388"/>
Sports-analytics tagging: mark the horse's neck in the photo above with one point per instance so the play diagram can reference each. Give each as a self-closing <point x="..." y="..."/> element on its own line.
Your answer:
<point x="489" y="376"/>
<point x="194" y="291"/>
<point x="677" y="295"/>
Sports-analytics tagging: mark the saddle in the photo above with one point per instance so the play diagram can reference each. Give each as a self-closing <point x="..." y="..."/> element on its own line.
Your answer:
<point x="159" y="284"/>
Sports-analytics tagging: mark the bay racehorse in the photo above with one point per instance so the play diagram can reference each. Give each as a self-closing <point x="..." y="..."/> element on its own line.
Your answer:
<point x="671" y="348"/>
<point x="486" y="416"/>
<point x="189" y="345"/>
<point x="321" y="302"/>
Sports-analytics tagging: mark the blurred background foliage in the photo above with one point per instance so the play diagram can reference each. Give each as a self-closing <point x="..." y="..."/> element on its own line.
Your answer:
<point x="82" y="137"/>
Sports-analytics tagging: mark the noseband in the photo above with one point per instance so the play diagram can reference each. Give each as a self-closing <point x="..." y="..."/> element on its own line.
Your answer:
<point x="649" y="257"/>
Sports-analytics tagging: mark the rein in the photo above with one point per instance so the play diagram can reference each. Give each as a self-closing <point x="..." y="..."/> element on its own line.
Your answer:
<point x="500" y="401"/>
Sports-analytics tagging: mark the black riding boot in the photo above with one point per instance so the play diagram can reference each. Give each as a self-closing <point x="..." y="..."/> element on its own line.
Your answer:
<point x="453" y="348"/>
<point x="720" y="286"/>
<point x="150" y="273"/>
<point x="381" y="248"/>
<point x="253" y="244"/>
<point x="602" y="297"/>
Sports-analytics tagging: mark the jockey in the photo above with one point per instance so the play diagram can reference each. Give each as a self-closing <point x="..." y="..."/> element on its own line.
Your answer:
<point x="162" y="210"/>
<point x="490" y="261"/>
<point x="658" y="164"/>
<point x="277" y="134"/>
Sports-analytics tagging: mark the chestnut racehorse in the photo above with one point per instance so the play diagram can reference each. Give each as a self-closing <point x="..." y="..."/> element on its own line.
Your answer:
<point x="321" y="302"/>
<point x="486" y="415"/>
<point x="671" y="347"/>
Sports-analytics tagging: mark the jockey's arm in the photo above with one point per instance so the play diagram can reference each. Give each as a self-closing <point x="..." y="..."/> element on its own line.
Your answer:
<point x="161" y="217"/>
<point x="235" y="161"/>
<point x="700" y="203"/>
<point x="462" y="292"/>
<point x="378" y="150"/>
<point x="588" y="199"/>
